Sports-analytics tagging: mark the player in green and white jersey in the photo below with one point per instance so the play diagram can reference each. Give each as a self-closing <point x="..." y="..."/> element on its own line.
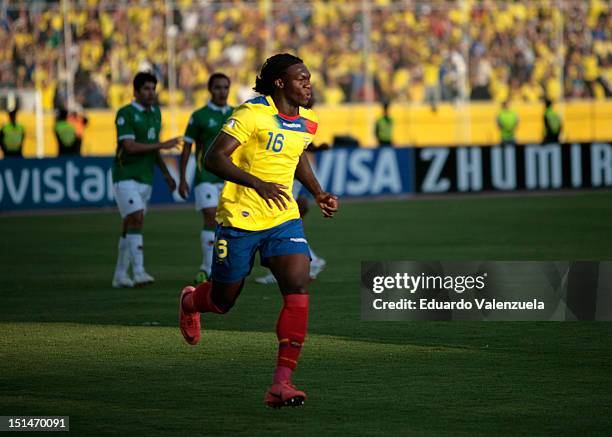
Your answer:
<point x="204" y="125"/>
<point x="138" y="125"/>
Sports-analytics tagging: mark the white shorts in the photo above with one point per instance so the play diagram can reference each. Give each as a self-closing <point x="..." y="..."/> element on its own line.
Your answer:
<point x="207" y="195"/>
<point x="131" y="196"/>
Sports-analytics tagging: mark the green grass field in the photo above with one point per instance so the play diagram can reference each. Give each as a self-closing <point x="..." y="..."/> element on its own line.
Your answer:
<point x="115" y="362"/>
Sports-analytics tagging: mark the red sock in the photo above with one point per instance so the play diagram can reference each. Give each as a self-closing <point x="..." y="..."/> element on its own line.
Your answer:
<point x="201" y="300"/>
<point x="291" y="332"/>
<point x="281" y="374"/>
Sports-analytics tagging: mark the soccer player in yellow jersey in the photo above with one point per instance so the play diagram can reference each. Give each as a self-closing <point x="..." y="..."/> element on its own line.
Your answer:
<point x="258" y="153"/>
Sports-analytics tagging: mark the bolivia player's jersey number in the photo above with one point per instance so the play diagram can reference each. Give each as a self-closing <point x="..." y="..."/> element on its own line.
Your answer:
<point x="276" y="142"/>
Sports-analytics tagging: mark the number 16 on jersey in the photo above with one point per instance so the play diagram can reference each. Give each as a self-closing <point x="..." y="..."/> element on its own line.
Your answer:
<point x="275" y="141"/>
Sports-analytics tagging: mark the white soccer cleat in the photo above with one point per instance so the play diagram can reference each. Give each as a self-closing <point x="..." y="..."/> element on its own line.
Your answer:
<point x="143" y="278"/>
<point x="268" y="279"/>
<point x="316" y="266"/>
<point x="122" y="281"/>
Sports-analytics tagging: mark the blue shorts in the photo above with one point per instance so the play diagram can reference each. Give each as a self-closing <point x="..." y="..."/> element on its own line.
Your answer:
<point x="235" y="249"/>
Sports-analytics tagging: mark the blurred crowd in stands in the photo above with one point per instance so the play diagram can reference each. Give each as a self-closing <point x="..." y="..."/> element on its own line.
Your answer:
<point x="416" y="51"/>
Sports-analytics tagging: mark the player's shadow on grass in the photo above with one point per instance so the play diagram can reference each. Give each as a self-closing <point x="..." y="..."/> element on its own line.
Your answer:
<point x="256" y="311"/>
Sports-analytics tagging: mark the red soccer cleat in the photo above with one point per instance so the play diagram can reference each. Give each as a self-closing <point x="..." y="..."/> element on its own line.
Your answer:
<point x="189" y="322"/>
<point x="284" y="394"/>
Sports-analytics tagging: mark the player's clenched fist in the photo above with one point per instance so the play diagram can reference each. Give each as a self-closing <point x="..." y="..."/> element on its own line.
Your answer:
<point x="328" y="204"/>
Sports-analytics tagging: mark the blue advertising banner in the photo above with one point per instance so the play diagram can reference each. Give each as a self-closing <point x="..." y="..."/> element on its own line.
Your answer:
<point x="530" y="167"/>
<point x="74" y="182"/>
<point x="55" y="183"/>
<point x="31" y="184"/>
<point x="356" y="172"/>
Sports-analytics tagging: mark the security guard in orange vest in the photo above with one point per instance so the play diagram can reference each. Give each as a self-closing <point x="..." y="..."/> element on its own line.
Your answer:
<point x="12" y="136"/>
<point x="77" y="119"/>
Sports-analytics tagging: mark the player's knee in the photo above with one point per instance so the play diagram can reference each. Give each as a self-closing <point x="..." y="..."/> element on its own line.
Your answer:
<point x="223" y="303"/>
<point x="224" y="296"/>
<point x="225" y="306"/>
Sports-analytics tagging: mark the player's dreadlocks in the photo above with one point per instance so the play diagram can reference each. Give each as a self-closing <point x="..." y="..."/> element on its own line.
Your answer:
<point x="274" y="68"/>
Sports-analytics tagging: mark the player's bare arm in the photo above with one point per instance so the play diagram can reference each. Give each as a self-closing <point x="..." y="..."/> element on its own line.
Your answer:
<point x="167" y="176"/>
<point x="183" y="186"/>
<point x="218" y="162"/>
<point x="134" y="148"/>
<point x="326" y="201"/>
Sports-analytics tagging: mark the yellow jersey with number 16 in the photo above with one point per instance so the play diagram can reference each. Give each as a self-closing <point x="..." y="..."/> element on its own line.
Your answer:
<point x="270" y="147"/>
